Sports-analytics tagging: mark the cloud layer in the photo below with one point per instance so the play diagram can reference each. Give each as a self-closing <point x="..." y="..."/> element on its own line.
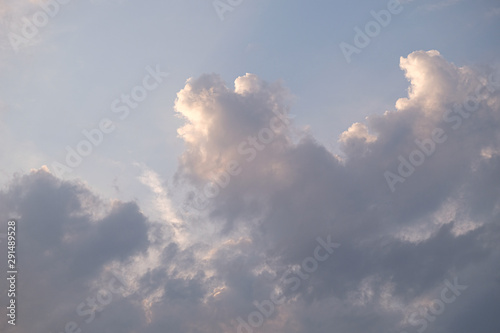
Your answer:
<point x="282" y="196"/>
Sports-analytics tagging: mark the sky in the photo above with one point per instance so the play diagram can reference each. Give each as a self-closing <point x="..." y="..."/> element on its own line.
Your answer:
<point x="250" y="166"/>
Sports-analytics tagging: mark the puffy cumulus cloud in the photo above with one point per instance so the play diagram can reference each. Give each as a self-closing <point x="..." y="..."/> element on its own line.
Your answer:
<point x="219" y="120"/>
<point x="354" y="139"/>
<point x="66" y="239"/>
<point x="423" y="257"/>
<point x="433" y="80"/>
<point x="398" y="248"/>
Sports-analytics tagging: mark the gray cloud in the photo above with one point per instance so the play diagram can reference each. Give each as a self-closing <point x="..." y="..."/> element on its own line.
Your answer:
<point x="66" y="237"/>
<point x="399" y="249"/>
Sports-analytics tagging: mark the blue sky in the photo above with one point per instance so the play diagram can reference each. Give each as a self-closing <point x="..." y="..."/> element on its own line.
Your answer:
<point x="89" y="53"/>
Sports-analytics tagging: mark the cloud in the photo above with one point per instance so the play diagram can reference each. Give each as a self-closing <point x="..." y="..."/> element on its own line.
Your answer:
<point x="399" y="250"/>
<point x="408" y="243"/>
<point x="66" y="237"/>
<point x="218" y="119"/>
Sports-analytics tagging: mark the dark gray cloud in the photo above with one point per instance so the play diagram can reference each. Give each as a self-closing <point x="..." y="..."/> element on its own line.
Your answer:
<point x="66" y="237"/>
